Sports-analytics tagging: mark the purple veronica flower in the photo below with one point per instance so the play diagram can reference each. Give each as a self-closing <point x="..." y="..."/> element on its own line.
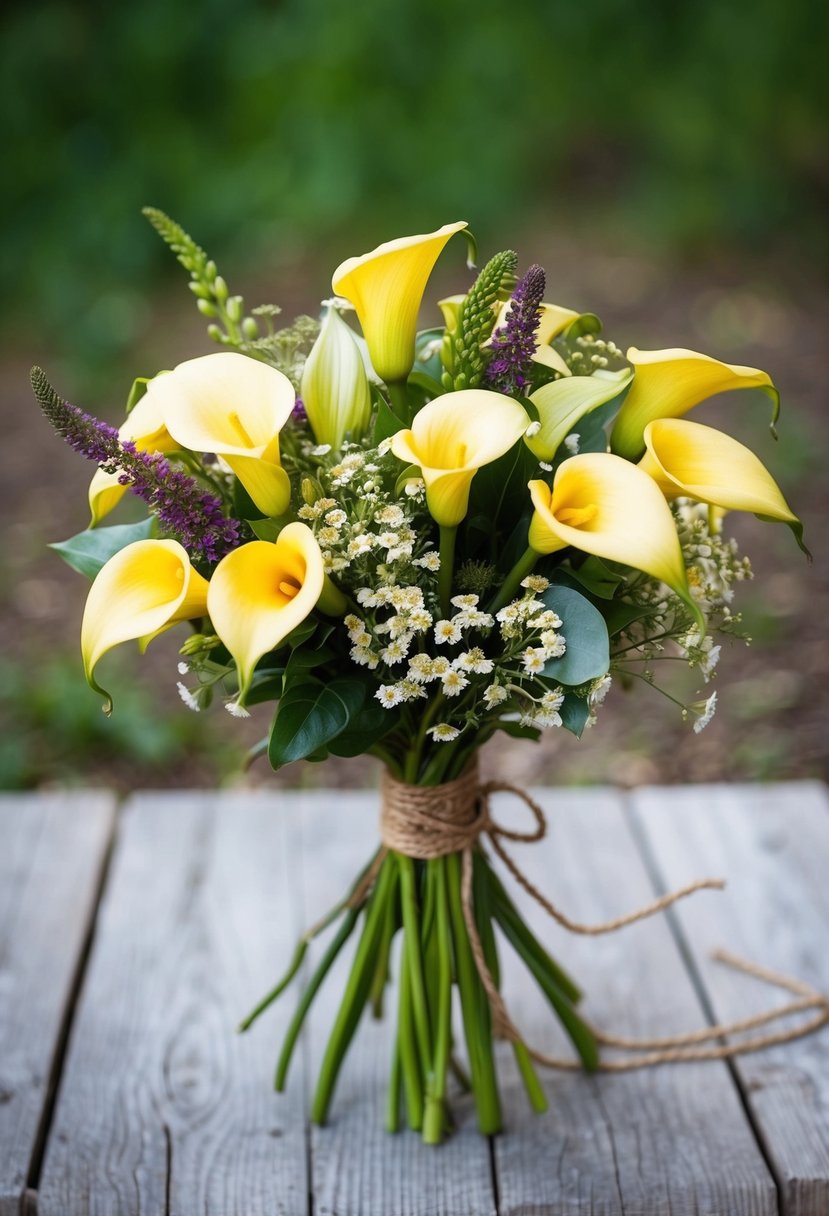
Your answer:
<point x="195" y="517"/>
<point x="513" y="343"/>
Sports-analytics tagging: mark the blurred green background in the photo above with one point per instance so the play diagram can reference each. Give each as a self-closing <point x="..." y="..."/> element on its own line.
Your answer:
<point x="666" y="163"/>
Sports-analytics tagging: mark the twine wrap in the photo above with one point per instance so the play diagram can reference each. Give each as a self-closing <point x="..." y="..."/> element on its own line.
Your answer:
<point x="425" y="822"/>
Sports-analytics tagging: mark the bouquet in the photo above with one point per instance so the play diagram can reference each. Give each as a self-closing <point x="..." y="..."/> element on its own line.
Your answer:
<point x="409" y="540"/>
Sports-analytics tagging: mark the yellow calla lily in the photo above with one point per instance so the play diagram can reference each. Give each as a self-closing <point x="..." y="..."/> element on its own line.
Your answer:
<point x="561" y="404"/>
<point x="689" y="460"/>
<point x="669" y="383"/>
<point x="386" y="287"/>
<point x="146" y="587"/>
<point x="145" y="428"/>
<point x="261" y="591"/>
<point x="335" y="389"/>
<point x="234" y="406"/>
<point x="602" y="504"/>
<point x="451" y="438"/>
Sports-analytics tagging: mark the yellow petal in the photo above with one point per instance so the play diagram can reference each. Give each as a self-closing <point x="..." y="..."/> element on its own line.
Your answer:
<point x="234" y="406"/>
<point x="669" y="383"/>
<point x="689" y="460"/>
<point x="602" y="504"/>
<point x="451" y="438"/>
<point x="147" y="586"/>
<point x="335" y="389"/>
<point x="561" y="404"/>
<point x="145" y="428"/>
<point x="262" y="591"/>
<point x="386" y="288"/>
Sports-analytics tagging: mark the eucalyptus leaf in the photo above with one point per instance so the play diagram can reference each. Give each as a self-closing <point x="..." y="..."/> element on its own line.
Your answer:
<point x="587" y="656"/>
<point x="574" y="711"/>
<point x="89" y="551"/>
<point x="310" y="715"/>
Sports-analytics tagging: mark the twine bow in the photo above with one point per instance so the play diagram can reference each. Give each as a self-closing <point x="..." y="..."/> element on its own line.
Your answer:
<point x="425" y="822"/>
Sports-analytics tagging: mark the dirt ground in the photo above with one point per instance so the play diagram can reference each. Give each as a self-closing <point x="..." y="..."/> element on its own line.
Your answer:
<point x="771" y="719"/>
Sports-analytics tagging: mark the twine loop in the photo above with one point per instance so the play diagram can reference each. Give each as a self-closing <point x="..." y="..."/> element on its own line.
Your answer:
<point x="426" y="822"/>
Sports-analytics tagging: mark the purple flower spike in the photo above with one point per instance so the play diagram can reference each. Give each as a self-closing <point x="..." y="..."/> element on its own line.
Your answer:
<point x="183" y="507"/>
<point x="513" y="343"/>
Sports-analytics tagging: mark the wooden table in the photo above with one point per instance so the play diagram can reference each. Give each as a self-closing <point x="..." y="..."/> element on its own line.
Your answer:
<point x="132" y="939"/>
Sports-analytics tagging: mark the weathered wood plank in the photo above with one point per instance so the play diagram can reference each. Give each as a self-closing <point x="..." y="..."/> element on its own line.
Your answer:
<point x="52" y="851"/>
<point x="359" y="1169"/>
<point x="772" y="844"/>
<point x="162" y="1108"/>
<point x="670" y="1139"/>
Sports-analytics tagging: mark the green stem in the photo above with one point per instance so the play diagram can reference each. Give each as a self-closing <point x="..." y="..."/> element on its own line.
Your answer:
<point x="447" y="567"/>
<point x="537" y="1096"/>
<point x="412" y="1077"/>
<point x="393" y="1098"/>
<point x="301" y="949"/>
<point x="355" y="995"/>
<point x="308" y="995"/>
<point x="434" y="1120"/>
<point x="414" y="958"/>
<point x="512" y="582"/>
<point x="477" y="1019"/>
<point x="399" y="398"/>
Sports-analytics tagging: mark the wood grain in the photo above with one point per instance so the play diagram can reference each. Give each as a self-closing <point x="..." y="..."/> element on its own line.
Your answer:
<point x="672" y="1139"/>
<point x="52" y="850"/>
<point x="772" y="843"/>
<point x="162" y="1108"/>
<point x="360" y="1169"/>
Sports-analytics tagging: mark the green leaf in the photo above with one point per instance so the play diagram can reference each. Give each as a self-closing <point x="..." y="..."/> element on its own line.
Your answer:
<point x="367" y="726"/>
<point x="90" y="550"/>
<point x="303" y="658"/>
<point x="268" y="529"/>
<point x="588" y="646"/>
<point x="139" y="388"/>
<point x="618" y="615"/>
<point x="386" y="422"/>
<point x="593" y="574"/>
<point x="309" y="716"/>
<point x="431" y="365"/>
<point x="574" y="713"/>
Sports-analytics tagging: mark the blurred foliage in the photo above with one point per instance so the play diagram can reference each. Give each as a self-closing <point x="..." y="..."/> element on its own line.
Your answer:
<point x="309" y="125"/>
<point x="52" y="729"/>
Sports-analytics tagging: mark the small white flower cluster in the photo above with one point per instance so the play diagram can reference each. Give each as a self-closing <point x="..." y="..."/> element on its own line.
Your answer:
<point x="714" y="562"/>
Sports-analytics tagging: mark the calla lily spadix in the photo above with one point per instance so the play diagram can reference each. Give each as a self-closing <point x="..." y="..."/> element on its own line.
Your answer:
<point x="261" y="591"/>
<point x="669" y="383"/>
<point x="561" y="404"/>
<point x="145" y="428"/>
<point x="234" y="406"/>
<point x="142" y="590"/>
<point x="386" y="287"/>
<point x="335" y="389"/>
<point x="451" y="438"/>
<point x="602" y="504"/>
<point x="689" y="460"/>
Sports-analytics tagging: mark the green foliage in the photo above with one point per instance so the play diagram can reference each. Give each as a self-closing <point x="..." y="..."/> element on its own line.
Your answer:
<point x="587" y="656"/>
<point x="310" y="716"/>
<point x="90" y="550"/>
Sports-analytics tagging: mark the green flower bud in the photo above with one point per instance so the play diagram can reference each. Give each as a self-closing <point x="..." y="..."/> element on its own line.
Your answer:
<point x="335" y="388"/>
<point x="206" y="308"/>
<point x="220" y="289"/>
<point x="309" y="491"/>
<point x="235" y="308"/>
<point x="250" y="329"/>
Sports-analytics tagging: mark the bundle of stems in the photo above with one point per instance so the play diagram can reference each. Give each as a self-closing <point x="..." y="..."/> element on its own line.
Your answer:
<point x="421" y="901"/>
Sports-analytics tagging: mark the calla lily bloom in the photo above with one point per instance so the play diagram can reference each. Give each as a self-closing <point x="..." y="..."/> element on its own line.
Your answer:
<point x="261" y="591"/>
<point x="234" y="406"/>
<point x="689" y="460"/>
<point x="561" y="404"/>
<point x="602" y="504"/>
<point x="386" y="288"/>
<point x="669" y="383"/>
<point x="145" y="428"/>
<point x="141" y="591"/>
<point x="335" y="389"/>
<point x="451" y="438"/>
